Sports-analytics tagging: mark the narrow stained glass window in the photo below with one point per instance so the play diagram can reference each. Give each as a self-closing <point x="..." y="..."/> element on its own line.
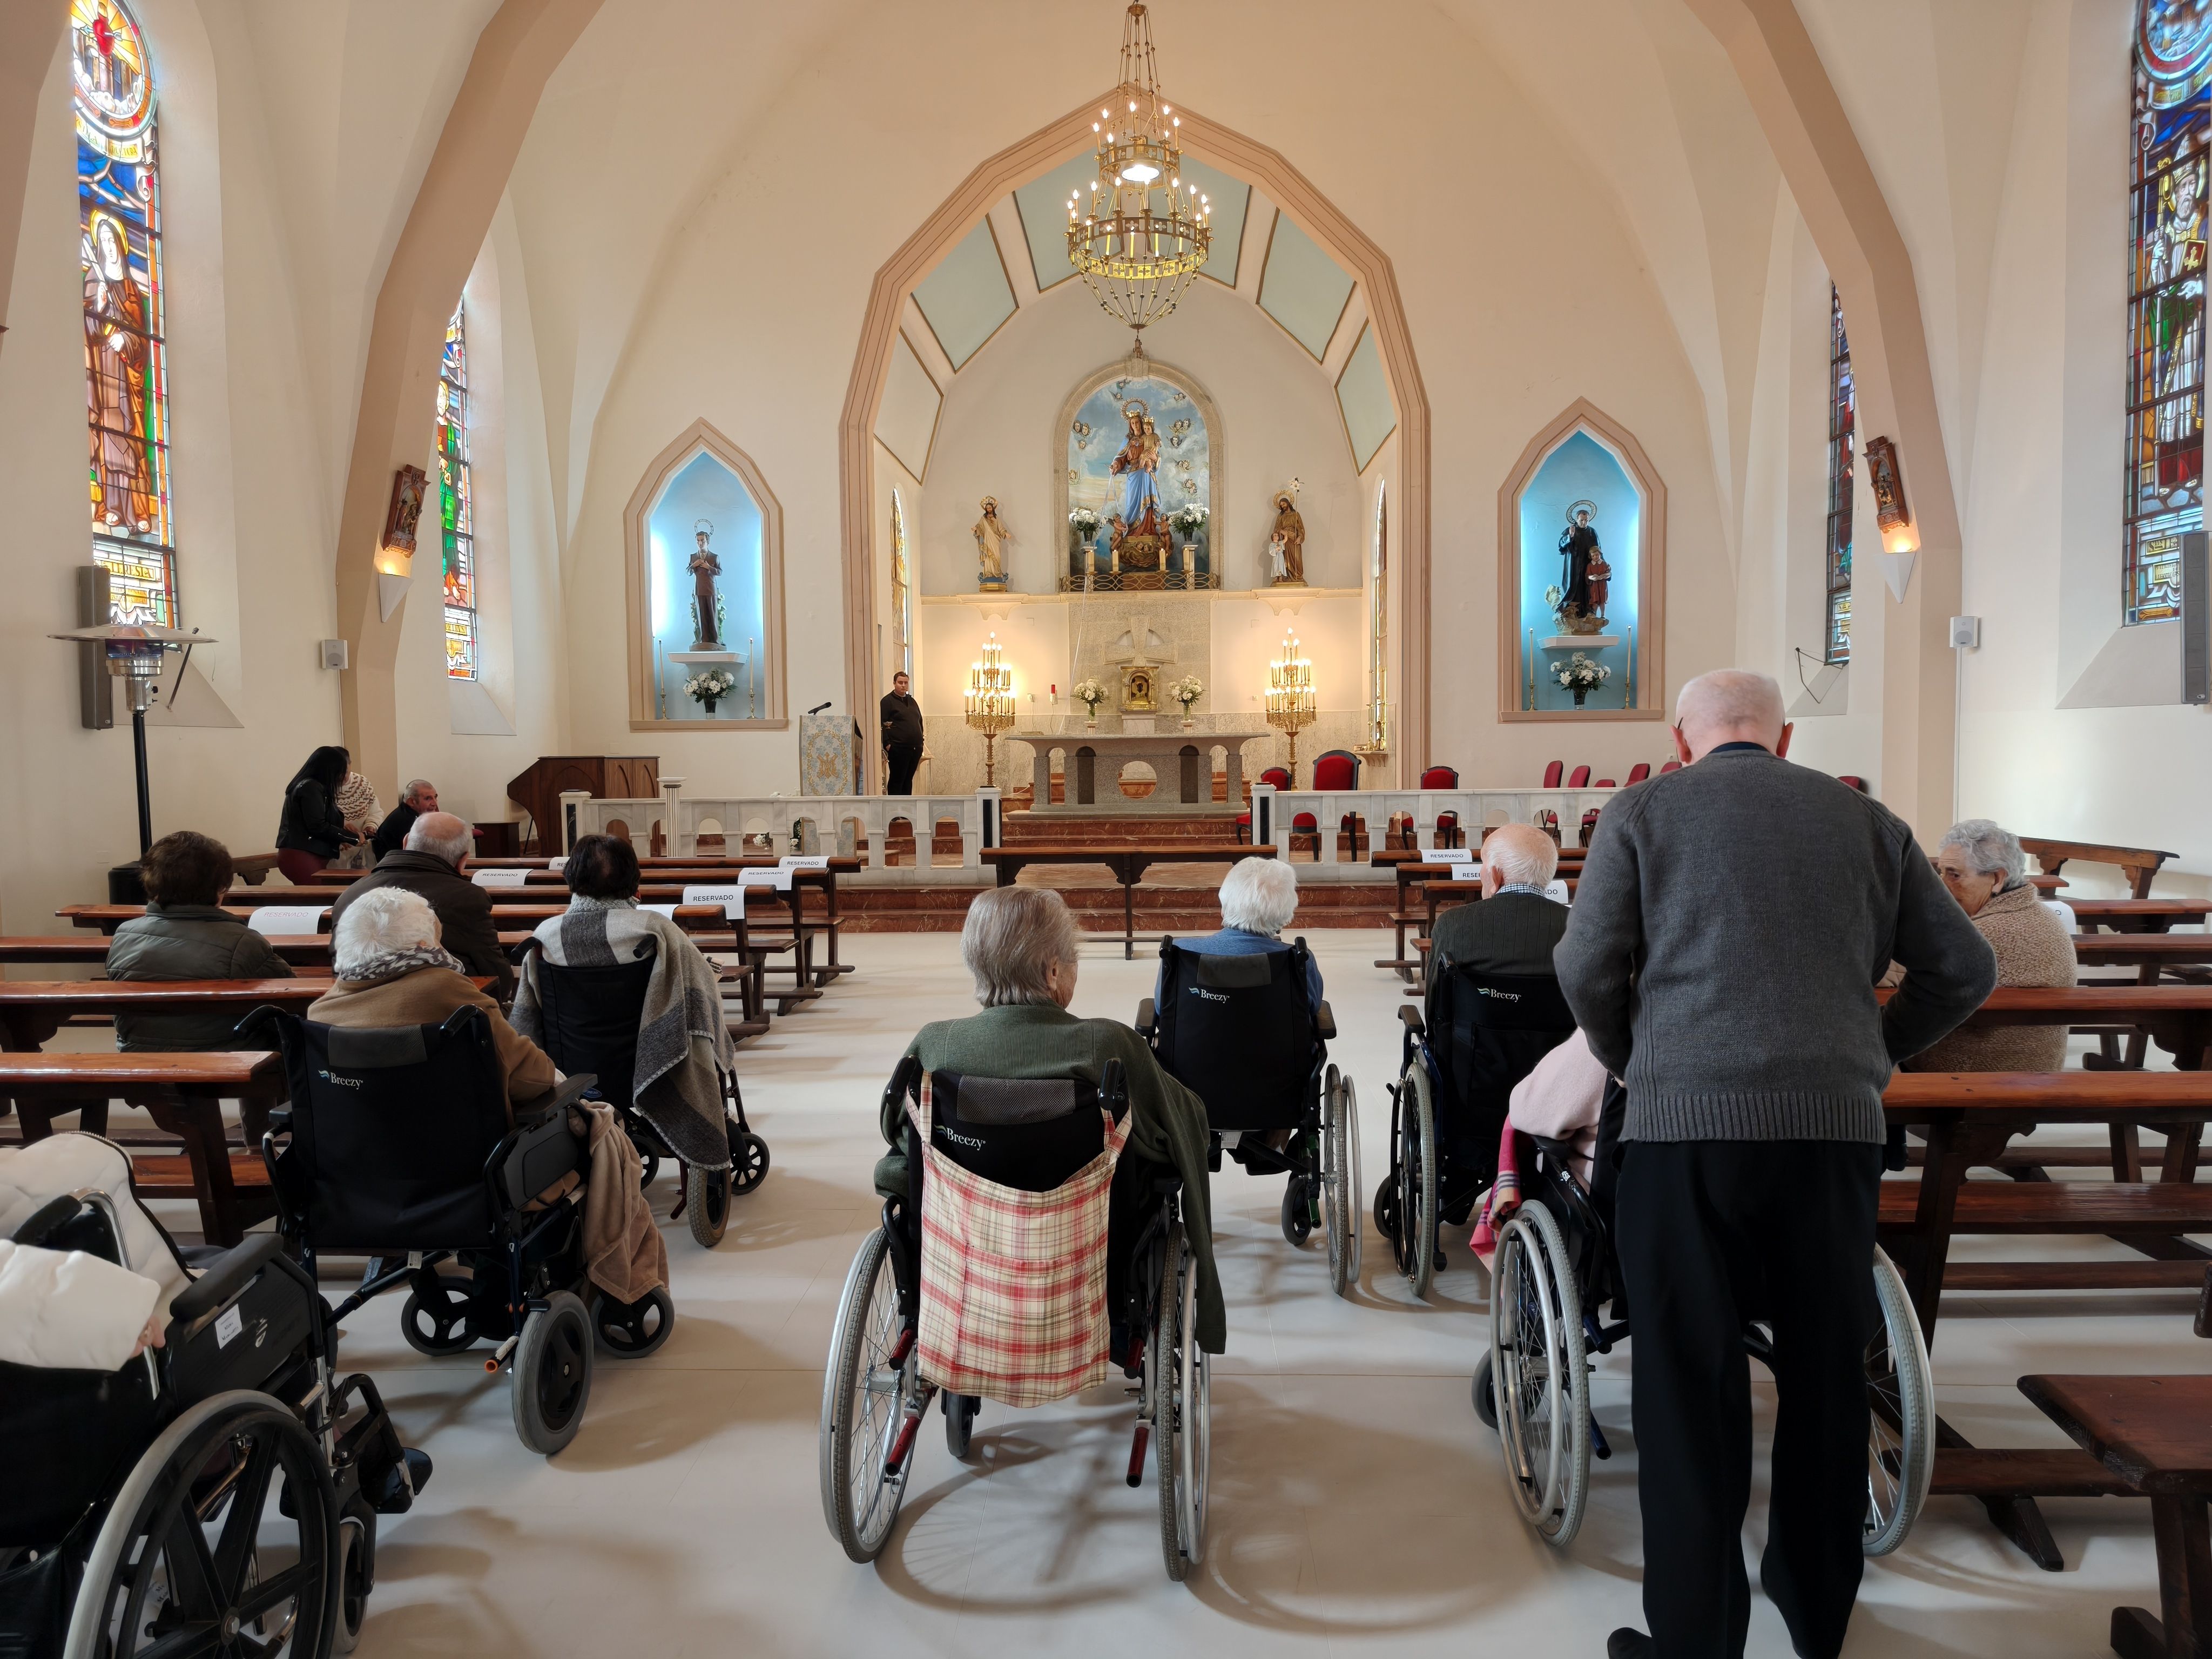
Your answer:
<point x="1842" y="429"/>
<point x="2165" y="487"/>
<point x="456" y="504"/>
<point x="126" y="370"/>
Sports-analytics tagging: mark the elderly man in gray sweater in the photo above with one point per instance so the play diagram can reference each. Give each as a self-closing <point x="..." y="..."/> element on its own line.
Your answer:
<point x="1732" y="921"/>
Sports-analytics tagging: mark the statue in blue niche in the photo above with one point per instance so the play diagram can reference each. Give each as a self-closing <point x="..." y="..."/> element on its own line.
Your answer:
<point x="1139" y="535"/>
<point x="1586" y="581"/>
<point x="705" y="603"/>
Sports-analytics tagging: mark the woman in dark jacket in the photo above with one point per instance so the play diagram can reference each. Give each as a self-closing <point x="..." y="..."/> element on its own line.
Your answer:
<point x="312" y="830"/>
<point x="186" y="934"/>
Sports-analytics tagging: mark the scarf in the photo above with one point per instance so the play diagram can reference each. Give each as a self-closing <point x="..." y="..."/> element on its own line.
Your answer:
<point x="379" y="966"/>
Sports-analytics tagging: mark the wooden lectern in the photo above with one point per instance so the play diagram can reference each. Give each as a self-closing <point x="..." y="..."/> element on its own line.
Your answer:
<point x="537" y="790"/>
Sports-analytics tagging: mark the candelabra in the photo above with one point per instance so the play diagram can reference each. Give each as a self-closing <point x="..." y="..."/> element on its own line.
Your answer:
<point x="1291" y="697"/>
<point x="990" y="701"/>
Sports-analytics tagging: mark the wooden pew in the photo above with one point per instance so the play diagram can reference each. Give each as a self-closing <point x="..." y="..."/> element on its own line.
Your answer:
<point x="2138" y="863"/>
<point x="183" y="1093"/>
<point x="2143" y="915"/>
<point x="32" y="1011"/>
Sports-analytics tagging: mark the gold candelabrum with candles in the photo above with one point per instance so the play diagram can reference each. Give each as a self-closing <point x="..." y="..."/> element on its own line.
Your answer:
<point x="990" y="701"/>
<point x="1291" y="705"/>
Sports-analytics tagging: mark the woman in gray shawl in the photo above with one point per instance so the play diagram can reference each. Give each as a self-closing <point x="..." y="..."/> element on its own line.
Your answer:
<point x="684" y="1047"/>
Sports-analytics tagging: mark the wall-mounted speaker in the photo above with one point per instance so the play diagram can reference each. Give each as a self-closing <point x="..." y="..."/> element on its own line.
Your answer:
<point x="2196" y="621"/>
<point x="334" y="653"/>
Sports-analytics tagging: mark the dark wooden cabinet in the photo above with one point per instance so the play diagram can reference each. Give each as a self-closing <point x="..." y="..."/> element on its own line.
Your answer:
<point x="537" y="790"/>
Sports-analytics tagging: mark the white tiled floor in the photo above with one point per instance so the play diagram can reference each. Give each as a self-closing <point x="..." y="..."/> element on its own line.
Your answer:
<point x="1358" y="1507"/>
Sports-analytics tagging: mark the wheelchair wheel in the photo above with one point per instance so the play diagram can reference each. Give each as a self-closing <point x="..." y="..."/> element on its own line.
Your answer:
<point x="864" y="1397"/>
<point x="229" y="1523"/>
<point x="1539" y="1378"/>
<point x="1484" y="1392"/>
<point x="748" y="1160"/>
<point x="1180" y="1379"/>
<point x="631" y="1330"/>
<point x="1298" y="1211"/>
<point x="707" y="1203"/>
<point x="552" y="1374"/>
<point x="353" y="1583"/>
<point x="1413" y="1179"/>
<point x="960" y="1411"/>
<point x="648" y="1167"/>
<point x="1901" y="1434"/>
<point x="1340" y="1155"/>
<point x="440" y="1327"/>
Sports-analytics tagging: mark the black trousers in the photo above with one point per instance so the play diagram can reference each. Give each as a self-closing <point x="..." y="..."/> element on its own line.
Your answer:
<point x="1712" y="1235"/>
<point x="902" y="758"/>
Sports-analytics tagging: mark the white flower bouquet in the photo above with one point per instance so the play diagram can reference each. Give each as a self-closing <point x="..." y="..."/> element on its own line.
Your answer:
<point x="1186" y="691"/>
<point x="1581" y="675"/>
<point x="711" y="685"/>
<point x="1091" y="694"/>
<point x="1188" y="518"/>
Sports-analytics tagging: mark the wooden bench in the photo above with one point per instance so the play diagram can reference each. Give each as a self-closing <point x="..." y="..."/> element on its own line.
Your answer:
<point x="2140" y="915"/>
<point x="32" y="1011"/>
<point x="2152" y="1435"/>
<point x="2138" y="863"/>
<point x="184" y="1094"/>
<point x="1128" y="864"/>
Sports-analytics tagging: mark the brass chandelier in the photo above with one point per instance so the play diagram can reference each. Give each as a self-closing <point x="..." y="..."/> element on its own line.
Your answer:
<point x="1148" y="229"/>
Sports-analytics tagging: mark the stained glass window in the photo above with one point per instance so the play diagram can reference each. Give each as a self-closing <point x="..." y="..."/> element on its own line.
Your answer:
<point x="456" y="503"/>
<point x="2165" y="490"/>
<point x="1842" y="429"/>
<point x="126" y="371"/>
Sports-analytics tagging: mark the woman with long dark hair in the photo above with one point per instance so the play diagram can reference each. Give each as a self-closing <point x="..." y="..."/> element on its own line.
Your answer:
<point x="312" y="830"/>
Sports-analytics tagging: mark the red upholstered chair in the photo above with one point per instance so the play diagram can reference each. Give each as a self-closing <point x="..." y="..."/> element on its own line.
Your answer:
<point x="1603" y="783"/>
<point x="1447" y="831"/>
<point x="1856" y="783"/>
<point x="1590" y="823"/>
<point x="1640" y="771"/>
<point x="1579" y="778"/>
<point x="1671" y="766"/>
<point x="1273" y="774"/>
<point x="1548" y="821"/>
<point x="1552" y="773"/>
<point x="1339" y="769"/>
<point x="1439" y="777"/>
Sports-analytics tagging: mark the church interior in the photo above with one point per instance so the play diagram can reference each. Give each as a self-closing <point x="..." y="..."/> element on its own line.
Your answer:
<point x="1120" y="502"/>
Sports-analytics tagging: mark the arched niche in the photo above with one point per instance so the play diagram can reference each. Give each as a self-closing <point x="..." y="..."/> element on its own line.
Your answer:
<point x="1582" y="455"/>
<point x="1177" y="393"/>
<point x="703" y="469"/>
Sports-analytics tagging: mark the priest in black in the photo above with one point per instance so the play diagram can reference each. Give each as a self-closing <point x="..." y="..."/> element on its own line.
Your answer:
<point x="902" y="718"/>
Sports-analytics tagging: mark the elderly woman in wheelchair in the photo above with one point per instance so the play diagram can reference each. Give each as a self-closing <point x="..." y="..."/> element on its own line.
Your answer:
<point x="1237" y="1015"/>
<point x="1045" y="1222"/>
<point x="1553" y="1270"/>
<point x="187" y="1472"/>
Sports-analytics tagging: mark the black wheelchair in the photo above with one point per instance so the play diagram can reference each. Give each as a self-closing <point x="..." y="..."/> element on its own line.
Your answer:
<point x="1032" y="1136"/>
<point x="1238" y="1032"/>
<point x="396" y="1145"/>
<point x="220" y="1495"/>
<point x="1555" y="1268"/>
<point x="1449" y="1103"/>
<point x="590" y="1019"/>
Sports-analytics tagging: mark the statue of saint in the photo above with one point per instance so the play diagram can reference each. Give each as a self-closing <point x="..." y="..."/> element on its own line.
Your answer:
<point x="1286" y="545"/>
<point x="1142" y="536"/>
<point x="704" y="568"/>
<point x="1578" y="547"/>
<point x="991" y="539"/>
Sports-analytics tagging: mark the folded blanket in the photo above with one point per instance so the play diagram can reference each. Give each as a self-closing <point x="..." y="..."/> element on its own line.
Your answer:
<point x="623" y="1252"/>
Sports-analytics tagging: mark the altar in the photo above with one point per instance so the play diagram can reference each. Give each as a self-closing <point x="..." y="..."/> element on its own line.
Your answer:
<point x="1181" y="764"/>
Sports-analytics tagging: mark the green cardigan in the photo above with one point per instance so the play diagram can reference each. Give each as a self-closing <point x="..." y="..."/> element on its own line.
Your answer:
<point x="1038" y="1041"/>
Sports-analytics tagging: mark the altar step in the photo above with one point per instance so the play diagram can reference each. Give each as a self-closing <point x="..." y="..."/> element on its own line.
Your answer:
<point x="1175" y="909"/>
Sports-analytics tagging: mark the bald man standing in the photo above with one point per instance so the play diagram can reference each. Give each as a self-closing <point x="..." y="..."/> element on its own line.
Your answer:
<point x="1731" y="923"/>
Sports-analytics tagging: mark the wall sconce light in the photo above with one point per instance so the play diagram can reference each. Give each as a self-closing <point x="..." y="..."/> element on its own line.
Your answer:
<point x="1900" y="539"/>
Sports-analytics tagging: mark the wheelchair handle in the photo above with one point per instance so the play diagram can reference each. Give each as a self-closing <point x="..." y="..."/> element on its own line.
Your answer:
<point x="50" y="1215"/>
<point x="258" y="1022"/>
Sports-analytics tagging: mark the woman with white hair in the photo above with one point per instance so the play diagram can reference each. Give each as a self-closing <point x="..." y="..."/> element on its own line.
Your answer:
<point x="1982" y="866"/>
<point x="1020" y="945"/>
<point x="1259" y="897"/>
<point x="390" y="970"/>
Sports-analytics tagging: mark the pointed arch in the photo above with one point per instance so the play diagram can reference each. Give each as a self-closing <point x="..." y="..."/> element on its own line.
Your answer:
<point x="1019" y="162"/>
<point x="1650" y="648"/>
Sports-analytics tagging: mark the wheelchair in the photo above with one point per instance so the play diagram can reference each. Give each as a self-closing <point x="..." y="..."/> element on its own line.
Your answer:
<point x="590" y="1017"/>
<point x="1033" y="1135"/>
<point x="1494" y="1028"/>
<point x="1236" y="1031"/>
<point x="1555" y="1268"/>
<point x="396" y="1145"/>
<point x="218" y="1495"/>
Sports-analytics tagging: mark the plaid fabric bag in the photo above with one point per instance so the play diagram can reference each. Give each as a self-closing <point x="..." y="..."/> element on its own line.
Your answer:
<point x="1013" y="1284"/>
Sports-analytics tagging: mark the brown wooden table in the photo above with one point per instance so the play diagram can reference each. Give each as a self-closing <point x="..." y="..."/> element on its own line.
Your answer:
<point x="2154" y="1435"/>
<point x="2139" y="864"/>
<point x="1128" y="864"/>
<point x="184" y="1094"/>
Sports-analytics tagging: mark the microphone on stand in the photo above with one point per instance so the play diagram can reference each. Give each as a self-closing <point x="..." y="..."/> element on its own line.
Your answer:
<point x="819" y="707"/>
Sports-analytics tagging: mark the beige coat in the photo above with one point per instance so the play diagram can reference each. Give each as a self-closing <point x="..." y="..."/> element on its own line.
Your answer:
<point x="426" y="997"/>
<point x="2033" y="948"/>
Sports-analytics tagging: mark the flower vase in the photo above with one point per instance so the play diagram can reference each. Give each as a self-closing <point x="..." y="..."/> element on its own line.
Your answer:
<point x="707" y="703"/>
<point x="1090" y="722"/>
<point x="1580" y="691"/>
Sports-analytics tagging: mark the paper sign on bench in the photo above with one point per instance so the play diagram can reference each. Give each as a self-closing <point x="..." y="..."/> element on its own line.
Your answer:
<point x="499" y="877"/>
<point x="1450" y="855"/>
<point x="286" y="921"/>
<point x="804" y="861"/>
<point x="556" y="864"/>
<point x="1557" y="892"/>
<point x="2064" y="912"/>
<point x="668" y="911"/>
<point x="730" y="896"/>
<point x="779" y="879"/>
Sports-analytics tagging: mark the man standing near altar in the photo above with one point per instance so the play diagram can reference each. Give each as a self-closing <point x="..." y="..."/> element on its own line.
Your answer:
<point x="903" y="737"/>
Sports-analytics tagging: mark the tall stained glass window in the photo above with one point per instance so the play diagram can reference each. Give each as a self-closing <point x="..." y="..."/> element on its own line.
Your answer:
<point x="456" y="501"/>
<point x="126" y="371"/>
<point x="1843" y="431"/>
<point x="2164" y="494"/>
